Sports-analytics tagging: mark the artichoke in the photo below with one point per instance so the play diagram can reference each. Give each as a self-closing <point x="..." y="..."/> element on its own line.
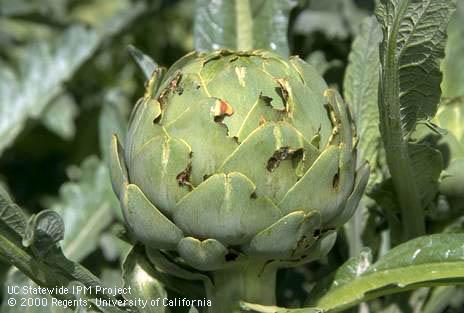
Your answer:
<point x="237" y="164"/>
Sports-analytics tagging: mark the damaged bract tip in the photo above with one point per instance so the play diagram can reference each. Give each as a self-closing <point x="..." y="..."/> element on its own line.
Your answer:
<point x="221" y="109"/>
<point x="173" y="86"/>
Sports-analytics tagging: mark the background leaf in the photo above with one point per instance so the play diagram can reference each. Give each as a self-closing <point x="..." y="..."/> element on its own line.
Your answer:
<point x="361" y="92"/>
<point x="87" y="204"/>
<point x="223" y="23"/>
<point x="413" y="43"/>
<point x="59" y="116"/>
<point x="453" y="76"/>
<point x="44" y="68"/>
<point x="425" y="261"/>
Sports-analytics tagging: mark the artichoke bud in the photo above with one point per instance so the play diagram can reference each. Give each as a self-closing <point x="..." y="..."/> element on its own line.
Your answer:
<point x="232" y="156"/>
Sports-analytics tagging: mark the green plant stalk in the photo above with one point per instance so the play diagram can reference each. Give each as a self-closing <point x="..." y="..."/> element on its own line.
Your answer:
<point x="39" y="273"/>
<point x="244" y="25"/>
<point x="396" y="145"/>
<point x="249" y="282"/>
<point x="46" y="275"/>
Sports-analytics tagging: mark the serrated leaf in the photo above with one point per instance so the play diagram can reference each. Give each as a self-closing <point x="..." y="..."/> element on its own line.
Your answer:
<point x="59" y="116"/>
<point x="414" y="34"/>
<point x="414" y="42"/>
<point x="42" y="259"/>
<point x="44" y="69"/>
<point x="242" y="25"/>
<point x="425" y="261"/>
<point x="11" y="215"/>
<point x="428" y="164"/>
<point x="87" y="205"/>
<point x="43" y="232"/>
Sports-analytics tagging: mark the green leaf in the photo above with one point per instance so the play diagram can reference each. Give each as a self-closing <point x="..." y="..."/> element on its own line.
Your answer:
<point x="320" y="62"/>
<point x="59" y="116"/>
<point x="113" y="120"/>
<point x="413" y="43"/>
<point x="450" y="116"/>
<point x="108" y="17"/>
<point x="11" y="216"/>
<point x="444" y="297"/>
<point x="256" y="308"/>
<point x="41" y="259"/>
<point x="43" y="232"/>
<point x="139" y="275"/>
<point x="427" y="165"/>
<point x="361" y="92"/>
<point x="112" y="246"/>
<point x="242" y="25"/>
<point x="453" y="76"/>
<point x="145" y="63"/>
<point x="87" y="204"/>
<point x="38" y="303"/>
<point x="44" y="69"/>
<point x="336" y="19"/>
<point x="423" y="262"/>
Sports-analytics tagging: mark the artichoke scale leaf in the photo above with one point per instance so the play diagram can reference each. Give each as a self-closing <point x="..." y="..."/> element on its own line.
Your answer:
<point x="146" y="222"/>
<point x="274" y="157"/>
<point x="260" y="113"/>
<point x="343" y="128"/>
<point x="208" y="149"/>
<point x="240" y="85"/>
<point x="307" y="111"/>
<point x="362" y="177"/>
<point x="340" y="117"/>
<point x="165" y="263"/>
<point x="290" y="235"/>
<point x="154" y="82"/>
<point x="180" y="64"/>
<point x="309" y="75"/>
<point x="190" y="90"/>
<point x="225" y="207"/>
<point x="317" y="189"/>
<point x="143" y="127"/>
<point x="272" y="65"/>
<point x="206" y="255"/>
<point x="118" y="170"/>
<point x="162" y="170"/>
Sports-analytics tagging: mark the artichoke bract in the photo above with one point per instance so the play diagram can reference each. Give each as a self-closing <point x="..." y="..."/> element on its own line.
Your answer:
<point x="238" y="163"/>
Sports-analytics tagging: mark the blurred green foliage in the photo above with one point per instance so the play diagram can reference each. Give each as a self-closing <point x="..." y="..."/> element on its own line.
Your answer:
<point x="66" y="78"/>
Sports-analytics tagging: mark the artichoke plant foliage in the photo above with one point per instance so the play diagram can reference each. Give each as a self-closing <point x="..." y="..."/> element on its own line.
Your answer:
<point x="237" y="164"/>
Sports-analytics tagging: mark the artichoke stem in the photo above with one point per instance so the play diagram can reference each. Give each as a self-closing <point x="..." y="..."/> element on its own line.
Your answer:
<point x="251" y="282"/>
